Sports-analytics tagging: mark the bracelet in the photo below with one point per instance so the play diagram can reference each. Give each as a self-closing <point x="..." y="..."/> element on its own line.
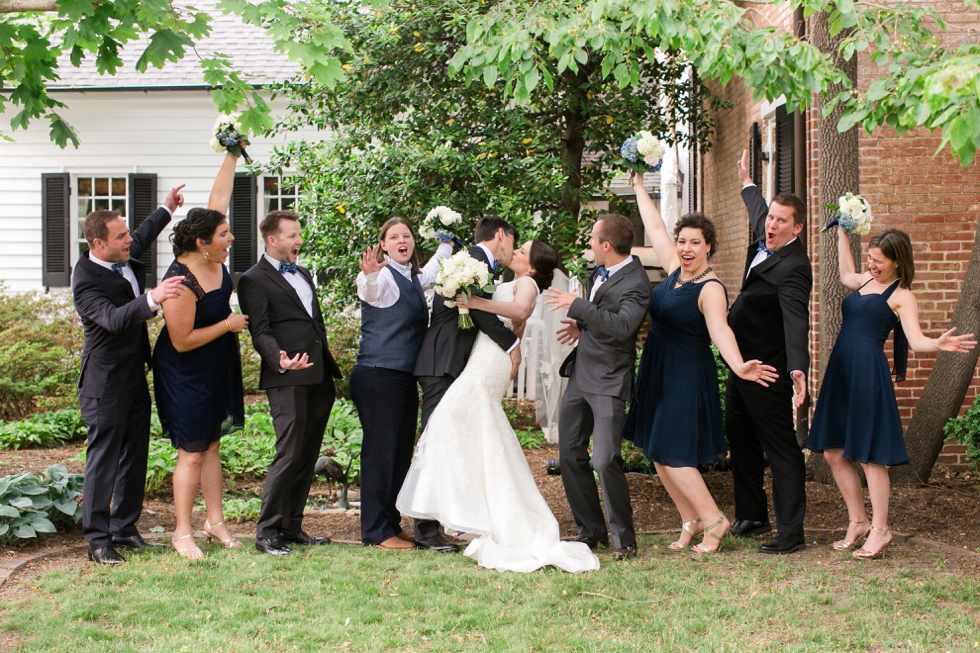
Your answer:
<point x="228" y="324"/>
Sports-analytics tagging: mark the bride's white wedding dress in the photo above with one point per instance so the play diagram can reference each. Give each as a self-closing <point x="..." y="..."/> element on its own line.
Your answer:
<point x="470" y="474"/>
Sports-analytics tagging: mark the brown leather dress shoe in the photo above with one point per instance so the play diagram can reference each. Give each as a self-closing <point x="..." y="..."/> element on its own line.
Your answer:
<point x="396" y="544"/>
<point x="405" y="536"/>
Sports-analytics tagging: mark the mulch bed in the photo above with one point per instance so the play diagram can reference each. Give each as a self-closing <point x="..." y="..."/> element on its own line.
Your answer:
<point x="947" y="510"/>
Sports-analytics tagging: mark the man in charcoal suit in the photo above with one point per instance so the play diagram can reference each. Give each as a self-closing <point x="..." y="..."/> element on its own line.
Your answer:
<point x="446" y="347"/>
<point x="108" y="287"/>
<point x="600" y="381"/>
<point x="297" y="374"/>
<point x="771" y="321"/>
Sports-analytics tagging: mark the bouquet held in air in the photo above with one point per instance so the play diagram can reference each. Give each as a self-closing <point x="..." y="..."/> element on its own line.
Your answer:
<point x="229" y="138"/>
<point x="853" y="215"/>
<point x="437" y="222"/>
<point x="641" y="153"/>
<point x="461" y="274"/>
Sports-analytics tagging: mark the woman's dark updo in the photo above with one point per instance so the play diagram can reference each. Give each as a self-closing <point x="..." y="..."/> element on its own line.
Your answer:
<point x="199" y="223"/>
<point x="544" y="260"/>
<point x="702" y="222"/>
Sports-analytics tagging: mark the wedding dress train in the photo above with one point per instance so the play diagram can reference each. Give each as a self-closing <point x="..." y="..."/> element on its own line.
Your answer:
<point x="470" y="474"/>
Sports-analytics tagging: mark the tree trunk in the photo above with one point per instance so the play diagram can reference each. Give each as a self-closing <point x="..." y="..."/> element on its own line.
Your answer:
<point x="837" y="166"/>
<point x="16" y="6"/>
<point x="573" y="143"/>
<point x="947" y="385"/>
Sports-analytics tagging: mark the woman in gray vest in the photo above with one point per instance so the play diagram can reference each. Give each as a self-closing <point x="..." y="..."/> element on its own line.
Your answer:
<point x="394" y="316"/>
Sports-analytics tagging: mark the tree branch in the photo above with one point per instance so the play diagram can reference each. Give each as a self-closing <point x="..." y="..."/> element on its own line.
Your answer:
<point x="16" y="6"/>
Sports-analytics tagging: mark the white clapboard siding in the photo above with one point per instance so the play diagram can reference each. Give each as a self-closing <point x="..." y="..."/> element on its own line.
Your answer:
<point x="162" y="132"/>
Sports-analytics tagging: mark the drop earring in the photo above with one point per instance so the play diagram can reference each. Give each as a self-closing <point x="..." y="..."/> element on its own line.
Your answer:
<point x="206" y="255"/>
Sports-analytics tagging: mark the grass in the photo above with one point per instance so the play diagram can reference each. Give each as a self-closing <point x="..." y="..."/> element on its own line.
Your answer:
<point x="359" y="599"/>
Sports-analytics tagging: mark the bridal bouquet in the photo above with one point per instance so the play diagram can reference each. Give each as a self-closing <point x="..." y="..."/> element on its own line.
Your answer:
<point x="435" y="224"/>
<point x="853" y="215"/>
<point x="641" y="153"/>
<point x="461" y="274"/>
<point x="227" y="134"/>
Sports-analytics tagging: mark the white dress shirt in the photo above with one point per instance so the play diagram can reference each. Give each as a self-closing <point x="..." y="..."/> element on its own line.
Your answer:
<point x="380" y="290"/>
<point x="612" y="270"/>
<point x="298" y="282"/>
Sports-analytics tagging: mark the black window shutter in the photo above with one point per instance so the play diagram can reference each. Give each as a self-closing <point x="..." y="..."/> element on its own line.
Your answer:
<point x="784" y="151"/>
<point x="143" y="202"/>
<point x="241" y="216"/>
<point x="55" y="234"/>
<point x="755" y="154"/>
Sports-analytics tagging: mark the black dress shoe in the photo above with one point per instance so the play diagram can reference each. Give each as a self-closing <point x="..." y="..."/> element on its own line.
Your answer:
<point x="747" y="527"/>
<point x="105" y="556"/>
<point x="135" y="542"/>
<point x="299" y="537"/>
<point x="593" y="542"/>
<point x="437" y="544"/>
<point x="784" y="543"/>
<point x="272" y="545"/>
<point x="625" y="552"/>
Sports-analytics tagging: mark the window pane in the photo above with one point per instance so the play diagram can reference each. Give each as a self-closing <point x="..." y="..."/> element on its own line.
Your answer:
<point x="271" y="204"/>
<point x="118" y="186"/>
<point x="119" y="205"/>
<point x="287" y="203"/>
<point x="84" y="208"/>
<point x="102" y="204"/>
<point x="102" y="186"/>
<point x="85" y="186"/>
<point x="271" y="185"/>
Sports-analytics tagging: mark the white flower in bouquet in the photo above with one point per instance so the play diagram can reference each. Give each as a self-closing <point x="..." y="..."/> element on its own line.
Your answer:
<point x="436" y="223"/>
<point x="650" y="148"/>
<point x="853" y="215"/>
<point x="461" y="274"/>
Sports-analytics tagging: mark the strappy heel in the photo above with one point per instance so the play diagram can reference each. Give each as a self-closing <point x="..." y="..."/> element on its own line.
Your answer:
<point x="846" y="545"/>
<point x="687" y="527"/>
<point x="708" y="532"/>
<point x="230" y="543"/>
<point x="194" y="553"/>
<point x="864" y="554"/>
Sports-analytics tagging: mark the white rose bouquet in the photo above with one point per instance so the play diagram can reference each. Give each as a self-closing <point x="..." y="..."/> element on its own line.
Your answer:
<point x="461" y="274"/>
<point x="641" y="153"/>
<point x="436" y="224"/>
<point x="228" y="137"/>
<point x="853" y="215"/>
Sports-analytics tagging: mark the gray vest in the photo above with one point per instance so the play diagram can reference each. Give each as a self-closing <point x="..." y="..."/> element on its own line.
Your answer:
<point x="392" y="337"/>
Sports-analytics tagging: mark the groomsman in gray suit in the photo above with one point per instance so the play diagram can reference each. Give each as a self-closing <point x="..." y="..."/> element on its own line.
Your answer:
<point x="600" y="381"/>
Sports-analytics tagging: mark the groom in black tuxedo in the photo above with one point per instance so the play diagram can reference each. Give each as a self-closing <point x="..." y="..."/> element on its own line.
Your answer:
<point x="771" y="321"/>
<point x="108" y="288"/>
<point x="446" y="347"/>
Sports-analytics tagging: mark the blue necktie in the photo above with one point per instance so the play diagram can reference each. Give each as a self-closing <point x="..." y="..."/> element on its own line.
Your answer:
<point x="118" y="267"/>
<point x="287" y="267"/>
<point x="762" y="248"/>
<point x="602" y="273"/>
<point x="493" y="267"/>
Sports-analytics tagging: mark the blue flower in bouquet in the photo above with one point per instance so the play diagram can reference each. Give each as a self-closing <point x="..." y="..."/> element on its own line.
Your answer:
<point x="628" y="151"/>
<point x="642" y="153"/>
<point x="228" y="137"/>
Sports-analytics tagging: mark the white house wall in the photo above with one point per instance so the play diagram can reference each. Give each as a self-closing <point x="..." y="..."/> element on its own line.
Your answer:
<point x="162" y="132"/>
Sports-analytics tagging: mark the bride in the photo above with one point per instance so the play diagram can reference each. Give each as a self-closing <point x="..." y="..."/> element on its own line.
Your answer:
<point x="469" y="471"/>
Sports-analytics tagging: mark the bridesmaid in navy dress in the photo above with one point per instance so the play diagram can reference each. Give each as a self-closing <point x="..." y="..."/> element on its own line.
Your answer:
<point x="676" y="415"/>
<point x="856" y="418"/>
<point x="196" y="366"/>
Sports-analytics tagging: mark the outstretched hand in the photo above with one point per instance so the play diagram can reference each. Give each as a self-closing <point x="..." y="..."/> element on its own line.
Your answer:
<point x="174" y="199"/>
<point x="169" y="288"/>
<point x="555" y="299"/>
<point x="959" y="344"/>
<point x="756" y="371"/>
<point x="370" y="263"/>
<point x="742" y="166"/>
<point x="568" y="334"/>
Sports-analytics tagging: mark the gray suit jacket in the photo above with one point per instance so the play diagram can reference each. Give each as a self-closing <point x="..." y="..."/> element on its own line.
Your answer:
<point x="603" y="361"/>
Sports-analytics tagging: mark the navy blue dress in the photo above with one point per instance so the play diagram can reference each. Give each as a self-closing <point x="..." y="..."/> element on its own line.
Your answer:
<point x="199" y="392"/>
<point x="676" y="415"/>
<point x="857" y="411"/>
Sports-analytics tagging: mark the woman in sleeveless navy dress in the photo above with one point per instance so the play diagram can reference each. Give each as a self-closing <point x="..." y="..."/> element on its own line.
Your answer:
<point x="856" y="418"/>
<point x="196" y="365"/>
<point x="676" y="414"/>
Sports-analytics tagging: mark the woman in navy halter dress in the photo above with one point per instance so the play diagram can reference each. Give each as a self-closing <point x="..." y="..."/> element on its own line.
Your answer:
<point x="856" y="418"/>
<point x="676" y="414"/>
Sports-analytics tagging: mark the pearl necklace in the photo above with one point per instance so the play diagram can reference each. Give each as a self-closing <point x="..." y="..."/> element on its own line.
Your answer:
<point x="883" y="285"/>
<point x="680" y="282"/>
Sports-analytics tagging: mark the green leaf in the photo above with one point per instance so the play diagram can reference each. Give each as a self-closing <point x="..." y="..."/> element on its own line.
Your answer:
<point x="165" y="45"/>
<point x="75" y="9"/>
<point x="9" y="511"/>
<point x="25" y="532"/>
<point x="4" y="528"/>
<point x="65" y="506"/>
<point x="61" y="132"/>
<point x="490" y="75"/>
<point x="42" y="524"/>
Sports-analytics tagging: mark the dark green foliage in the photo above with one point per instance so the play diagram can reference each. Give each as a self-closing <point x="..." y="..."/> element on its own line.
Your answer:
<point x="634" y="460"/>
<point x="31" y="503"/>
<point x="342" y="440"/>
<point x="966" y="431"/>
<point x="721" y="368"/>
<point x="522" y="415"/>
<point x="43" y="430"/>
<point x="344" y="335"/>
<point x="530" y="438"/>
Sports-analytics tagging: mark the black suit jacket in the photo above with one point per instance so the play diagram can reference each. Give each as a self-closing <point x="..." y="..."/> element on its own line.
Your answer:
<point x="117" y="345"/>
<point x="771" y="316"/>
<point x="278" y="321"/>
<point x="446" y="347"/>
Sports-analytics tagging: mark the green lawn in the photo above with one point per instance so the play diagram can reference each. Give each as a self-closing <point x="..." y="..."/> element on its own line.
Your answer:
<point x="357" y="599"/>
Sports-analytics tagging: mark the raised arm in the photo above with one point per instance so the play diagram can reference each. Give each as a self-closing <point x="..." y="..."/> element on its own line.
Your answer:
<point x="755" y="203"/>
<point x="848" y="276"/>
<point x="908" y="312"/>
<point x="224" y="183"/>
<point x="428" y="273"/>
<point x="520" y="309"/>
<point x="653" y="222"/>
<point x="714" y="305"/>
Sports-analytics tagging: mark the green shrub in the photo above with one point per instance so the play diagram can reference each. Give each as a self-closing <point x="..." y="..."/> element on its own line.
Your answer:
<point x="966" y="431"/>
<point x="31" y="503"/>
<point x="237" y="509"/>
<point x="530" y="439"/>
<point x="344" y="335"/>
<point x="343" y="437"/>
<point x="521" y="414"/>
<point x="634" y="460"/>
<point x="43" y="430"/>
<point x="160" y="464"/>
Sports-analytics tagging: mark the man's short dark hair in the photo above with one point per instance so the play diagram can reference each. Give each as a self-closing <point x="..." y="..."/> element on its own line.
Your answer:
<point x="96" y="227"/>
<point x="270" y="223"/>
<point x="617" y="230"/>
<point x="488" y="226"/>
<point x="795" y="203"/>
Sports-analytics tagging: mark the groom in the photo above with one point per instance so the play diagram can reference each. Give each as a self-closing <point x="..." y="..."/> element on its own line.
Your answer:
<point x="446" y="347"/>
<point x="600" y="381"/>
